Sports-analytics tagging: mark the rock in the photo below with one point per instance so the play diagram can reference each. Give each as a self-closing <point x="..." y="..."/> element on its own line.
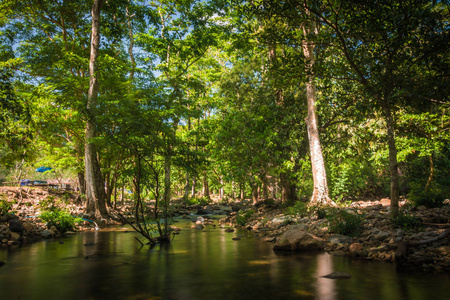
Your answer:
<point x="236" y="238"/>
<point x="70" y="233"/>
<point x="47" y="234"/>
<point x="175" y="228"/>
<point x="356" y="248"/>
<point x="15" y="225"/>
<point x="204" y="211"/>
<point x="381" y="235"/>
<point x="7" y="217"/>
<point x="229" y="230"/>
<point x="27" y="226"/>
<point x="296" y="240"/>
<point x="15" y="236"/>
<point x="338" y="275"/>
<point x="339" y="239"/>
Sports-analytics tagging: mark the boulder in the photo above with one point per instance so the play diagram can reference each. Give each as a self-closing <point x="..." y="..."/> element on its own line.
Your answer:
<point x="15" y="225"/>
<point x="298" y="240"/>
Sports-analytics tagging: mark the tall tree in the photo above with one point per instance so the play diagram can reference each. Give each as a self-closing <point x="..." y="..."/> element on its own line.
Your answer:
<point x="95" y="190"/>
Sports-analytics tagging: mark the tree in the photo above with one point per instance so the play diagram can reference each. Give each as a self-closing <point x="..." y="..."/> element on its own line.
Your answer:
<point x="95" y="191"/>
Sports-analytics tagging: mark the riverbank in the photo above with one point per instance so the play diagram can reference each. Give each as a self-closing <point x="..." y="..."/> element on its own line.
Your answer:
<point x="377" y="239"/>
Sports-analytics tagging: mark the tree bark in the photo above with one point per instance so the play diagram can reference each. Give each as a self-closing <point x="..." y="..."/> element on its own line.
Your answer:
<point x="95" y="191"/>
<point x="205" y="191"/>
<point x="393" y="164"/>
<point x="320" y="193"/>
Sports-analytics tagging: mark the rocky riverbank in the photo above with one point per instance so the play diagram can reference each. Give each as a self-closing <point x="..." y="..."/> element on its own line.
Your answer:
<point x="377" y="239"/>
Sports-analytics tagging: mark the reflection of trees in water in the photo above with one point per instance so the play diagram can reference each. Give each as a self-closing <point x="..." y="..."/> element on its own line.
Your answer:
<point x="326" y="288"/>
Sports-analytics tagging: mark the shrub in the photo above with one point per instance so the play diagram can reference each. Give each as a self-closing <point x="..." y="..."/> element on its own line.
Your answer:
<point x="5" y="206"/>
<point x="298" y="209"/>
<point x="407" y="221"/>
<point x="62" y="220"/>
<point x="432" y="197"/>
<point x="243" y="216"/>
<point x="344" y="222"/>
<point x="197" y="200"/>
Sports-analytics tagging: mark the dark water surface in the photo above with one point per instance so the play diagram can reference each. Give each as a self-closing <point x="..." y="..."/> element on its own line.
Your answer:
<point x="200" y="264"/>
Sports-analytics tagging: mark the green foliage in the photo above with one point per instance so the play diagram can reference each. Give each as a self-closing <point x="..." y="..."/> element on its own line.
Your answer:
<point x="243" y="216"/>
<point x="343" y="222"/>
<point x="431" y="197"/>
<point x="198" y="200"/>
<point x="62" y="220"/>
<point x="5" y="206"/>
<point x="298" y="209"/>
<point x="406" y="221"/>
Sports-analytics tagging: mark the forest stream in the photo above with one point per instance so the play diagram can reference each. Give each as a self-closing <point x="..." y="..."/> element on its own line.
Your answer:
<point x="199" y="264"/>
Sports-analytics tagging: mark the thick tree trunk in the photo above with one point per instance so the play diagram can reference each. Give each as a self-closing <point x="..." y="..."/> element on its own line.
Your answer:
<point x="288" y="190"/>
<point x="393" y="165"/>
<point x="95" y="191"/>
<point x="320" y="194"/>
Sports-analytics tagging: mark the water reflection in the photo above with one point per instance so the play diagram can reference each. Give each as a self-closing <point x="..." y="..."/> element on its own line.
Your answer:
<point x="199" y="264"/>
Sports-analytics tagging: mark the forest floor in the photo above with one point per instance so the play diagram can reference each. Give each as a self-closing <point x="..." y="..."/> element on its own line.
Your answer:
<point x="422" y="239"/>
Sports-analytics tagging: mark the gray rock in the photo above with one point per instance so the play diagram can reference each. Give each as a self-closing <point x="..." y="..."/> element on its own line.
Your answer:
<point x="339" y="239"/>
<point x="47" y="234"/>
<point x="15" y="225"/>
<point x="338" y="275"/>
<point x="381" y="235"/>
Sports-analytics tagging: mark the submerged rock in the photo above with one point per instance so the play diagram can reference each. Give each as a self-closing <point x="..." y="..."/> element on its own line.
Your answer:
<point x="337" y="275"/>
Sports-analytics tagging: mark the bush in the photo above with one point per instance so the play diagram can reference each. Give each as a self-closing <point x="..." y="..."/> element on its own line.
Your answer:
<point x="198" y="200"/>
<point x="242" y="217"/>
<point x="62" y="220"/>
<point x="298" y="209"/>
<point x="5" y="206"/>
<point x="344" y="222"/>
<point x="407" y="221"/>
<point x="432" y="197"/>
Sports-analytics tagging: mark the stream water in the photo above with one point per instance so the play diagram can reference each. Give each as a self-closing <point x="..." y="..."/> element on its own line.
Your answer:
<point x="199" y="264"/>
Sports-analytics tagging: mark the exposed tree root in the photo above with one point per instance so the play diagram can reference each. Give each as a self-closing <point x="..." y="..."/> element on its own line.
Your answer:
<point x="400" y="254"/>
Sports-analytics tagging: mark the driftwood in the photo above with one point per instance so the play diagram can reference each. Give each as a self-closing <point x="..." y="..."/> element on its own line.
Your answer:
<point x="400" y="254"/>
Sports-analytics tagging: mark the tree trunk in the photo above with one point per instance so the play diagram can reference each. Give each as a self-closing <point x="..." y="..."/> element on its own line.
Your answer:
<point x="187" y="187"/>
<point x="320" y="193"/>
<point x="205" y="191"/>
<point x="194" y="184"/>
<point x="81" y="183"/>
<point x="221" y="189"/>
<point x="95" y="191"/>
<point x="167" y="167"/>
<point x="393" y="165"/>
